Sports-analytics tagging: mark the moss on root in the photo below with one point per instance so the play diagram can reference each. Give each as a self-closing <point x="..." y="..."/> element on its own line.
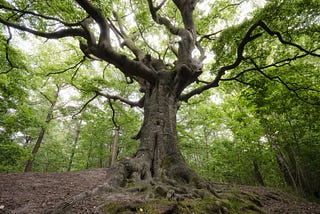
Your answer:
<point x="237" y="203"/>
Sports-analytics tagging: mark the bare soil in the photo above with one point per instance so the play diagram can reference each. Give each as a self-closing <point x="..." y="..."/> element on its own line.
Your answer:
<point x="37" y="192"/>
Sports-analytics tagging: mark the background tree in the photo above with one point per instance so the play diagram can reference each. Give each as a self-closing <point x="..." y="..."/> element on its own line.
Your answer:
<point x="172" y="69"/>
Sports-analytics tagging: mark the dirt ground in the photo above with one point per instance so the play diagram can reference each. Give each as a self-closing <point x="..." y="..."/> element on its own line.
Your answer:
<point x="36" y="192"/>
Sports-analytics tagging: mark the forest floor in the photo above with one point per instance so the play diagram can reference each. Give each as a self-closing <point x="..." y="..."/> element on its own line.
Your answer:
<point x="36" y="192"/>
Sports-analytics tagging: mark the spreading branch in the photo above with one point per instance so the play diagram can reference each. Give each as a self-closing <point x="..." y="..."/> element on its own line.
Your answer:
<point x="162" y="20"/>
<point x="72" y="32"/>
<point x="280" y="63"/>
<point x="247" y="39"/>
<point x="124" y="100"/>
<point x="40" y="16"/>
<point x="215" y="83"/>
<point x="105" y="51"/>
<point x="77" y="65"/>
<point x="280" y="80"/>
<point x="102" y="50"/>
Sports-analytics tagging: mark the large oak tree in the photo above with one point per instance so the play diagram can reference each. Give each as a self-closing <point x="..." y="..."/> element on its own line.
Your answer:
<point x="162" y="45"/>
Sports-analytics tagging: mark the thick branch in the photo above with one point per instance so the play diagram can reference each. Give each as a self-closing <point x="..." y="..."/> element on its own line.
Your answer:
<point x="161" y="20"/>
<point x="127" y="40"/>
<point x="105" y="51"/>
<point x="98" y="16"/>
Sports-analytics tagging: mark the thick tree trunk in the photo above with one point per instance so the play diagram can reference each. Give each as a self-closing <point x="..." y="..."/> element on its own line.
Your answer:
<point x="158" y="157"/>
<point x="159" y="142"/>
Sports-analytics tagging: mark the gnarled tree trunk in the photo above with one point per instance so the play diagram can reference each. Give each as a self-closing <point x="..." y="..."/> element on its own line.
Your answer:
<point x="159" y="142"/>
<point x="158" y="157"/>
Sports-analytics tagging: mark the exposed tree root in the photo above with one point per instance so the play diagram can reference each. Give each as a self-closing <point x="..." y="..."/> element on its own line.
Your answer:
<point x="133" y="177"/>
<point x="129" y="185"/>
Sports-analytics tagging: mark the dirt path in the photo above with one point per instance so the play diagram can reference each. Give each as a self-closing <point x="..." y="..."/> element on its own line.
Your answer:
<point x="35" y="192"/>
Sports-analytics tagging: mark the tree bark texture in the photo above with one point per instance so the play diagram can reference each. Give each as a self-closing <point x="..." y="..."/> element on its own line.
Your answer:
<point x="158" y="156"/>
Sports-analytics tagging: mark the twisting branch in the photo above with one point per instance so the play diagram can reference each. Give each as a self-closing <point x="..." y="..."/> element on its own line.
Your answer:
<point x="70" y="68"/>
<point x="276" y="64"/>
<point x="278" y="34"/>
<point x="7" y="53"/>
<point x="72" y="32"/>
<point x="248" y="38"/>
<point x="215" y="83"/>
<point x="127" y="40"/>
<point x="280" y="80"/>
<point x="161" y="20"/>
<point x="126" y="101"/>
<point x="85" y="105"/>
<point x="113" y="115"/>
<point x="40" y="16"/>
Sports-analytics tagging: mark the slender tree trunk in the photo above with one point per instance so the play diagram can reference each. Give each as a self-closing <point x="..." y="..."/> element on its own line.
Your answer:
<point x="257" y="173"/>
<point x="284" y="168"/>
<point x="75" y="144"/>
<point x="36" y="147"/>
<point x="114" y="151"/>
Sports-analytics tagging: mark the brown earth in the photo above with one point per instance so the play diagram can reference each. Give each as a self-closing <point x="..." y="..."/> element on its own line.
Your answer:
<point x="36" y="192"/>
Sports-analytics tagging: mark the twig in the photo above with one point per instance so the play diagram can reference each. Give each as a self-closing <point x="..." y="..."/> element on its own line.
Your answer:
<point x="85" y="105"/>
<point x="113" y="114"/>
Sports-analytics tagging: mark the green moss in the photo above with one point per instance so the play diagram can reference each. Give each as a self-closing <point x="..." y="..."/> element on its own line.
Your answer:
<point x="199" y="206"/>
<point x="244" y="203"/>
<point x="151" y="206"/>
<point x="235" y="203"/>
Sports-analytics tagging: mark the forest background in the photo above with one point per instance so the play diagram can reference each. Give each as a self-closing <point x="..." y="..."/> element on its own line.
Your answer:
<point x="265" y="132"/>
